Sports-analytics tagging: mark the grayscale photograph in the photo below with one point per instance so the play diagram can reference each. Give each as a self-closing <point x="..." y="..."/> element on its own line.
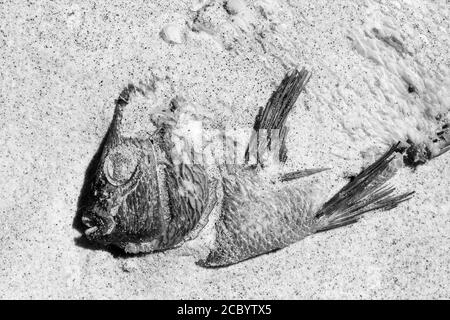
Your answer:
<point x="225" y="150"/>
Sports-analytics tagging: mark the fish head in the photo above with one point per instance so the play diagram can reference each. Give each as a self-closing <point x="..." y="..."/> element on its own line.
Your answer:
<point x="124" y="205"/>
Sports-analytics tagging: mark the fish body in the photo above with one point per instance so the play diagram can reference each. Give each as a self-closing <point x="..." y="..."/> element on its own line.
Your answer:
<point x="146" y="199"/>
<point x="259" y="217"/>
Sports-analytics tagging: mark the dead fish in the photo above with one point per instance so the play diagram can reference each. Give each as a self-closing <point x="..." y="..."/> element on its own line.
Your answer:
<point x="143" y="201"/>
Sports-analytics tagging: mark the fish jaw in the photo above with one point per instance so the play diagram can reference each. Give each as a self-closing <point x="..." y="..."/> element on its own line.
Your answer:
<point x="100" y="224"/>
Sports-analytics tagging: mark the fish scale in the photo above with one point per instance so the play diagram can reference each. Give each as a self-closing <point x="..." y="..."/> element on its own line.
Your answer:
<point x="266" y="221"/>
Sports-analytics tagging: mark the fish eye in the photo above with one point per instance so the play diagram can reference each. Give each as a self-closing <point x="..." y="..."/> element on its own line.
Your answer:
<point x="120" y="165"/>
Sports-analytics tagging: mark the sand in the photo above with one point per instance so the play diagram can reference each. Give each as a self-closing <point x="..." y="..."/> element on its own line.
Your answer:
<point x="63" y="65"/>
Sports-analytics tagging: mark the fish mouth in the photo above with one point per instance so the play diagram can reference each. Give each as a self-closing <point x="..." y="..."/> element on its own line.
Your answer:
<point x="87" y="221"/>
<point x="89" y="231"/>
<point x="92" y="231"/>
<point x="97" y="226"/>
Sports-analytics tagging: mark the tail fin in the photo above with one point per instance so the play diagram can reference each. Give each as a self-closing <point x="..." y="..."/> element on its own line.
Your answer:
<point x="269" y="131"/>
<point x="366" y="192"/>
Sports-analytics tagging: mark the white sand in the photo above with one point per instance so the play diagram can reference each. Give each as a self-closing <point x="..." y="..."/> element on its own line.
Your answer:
<point x="62" y="66"/>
